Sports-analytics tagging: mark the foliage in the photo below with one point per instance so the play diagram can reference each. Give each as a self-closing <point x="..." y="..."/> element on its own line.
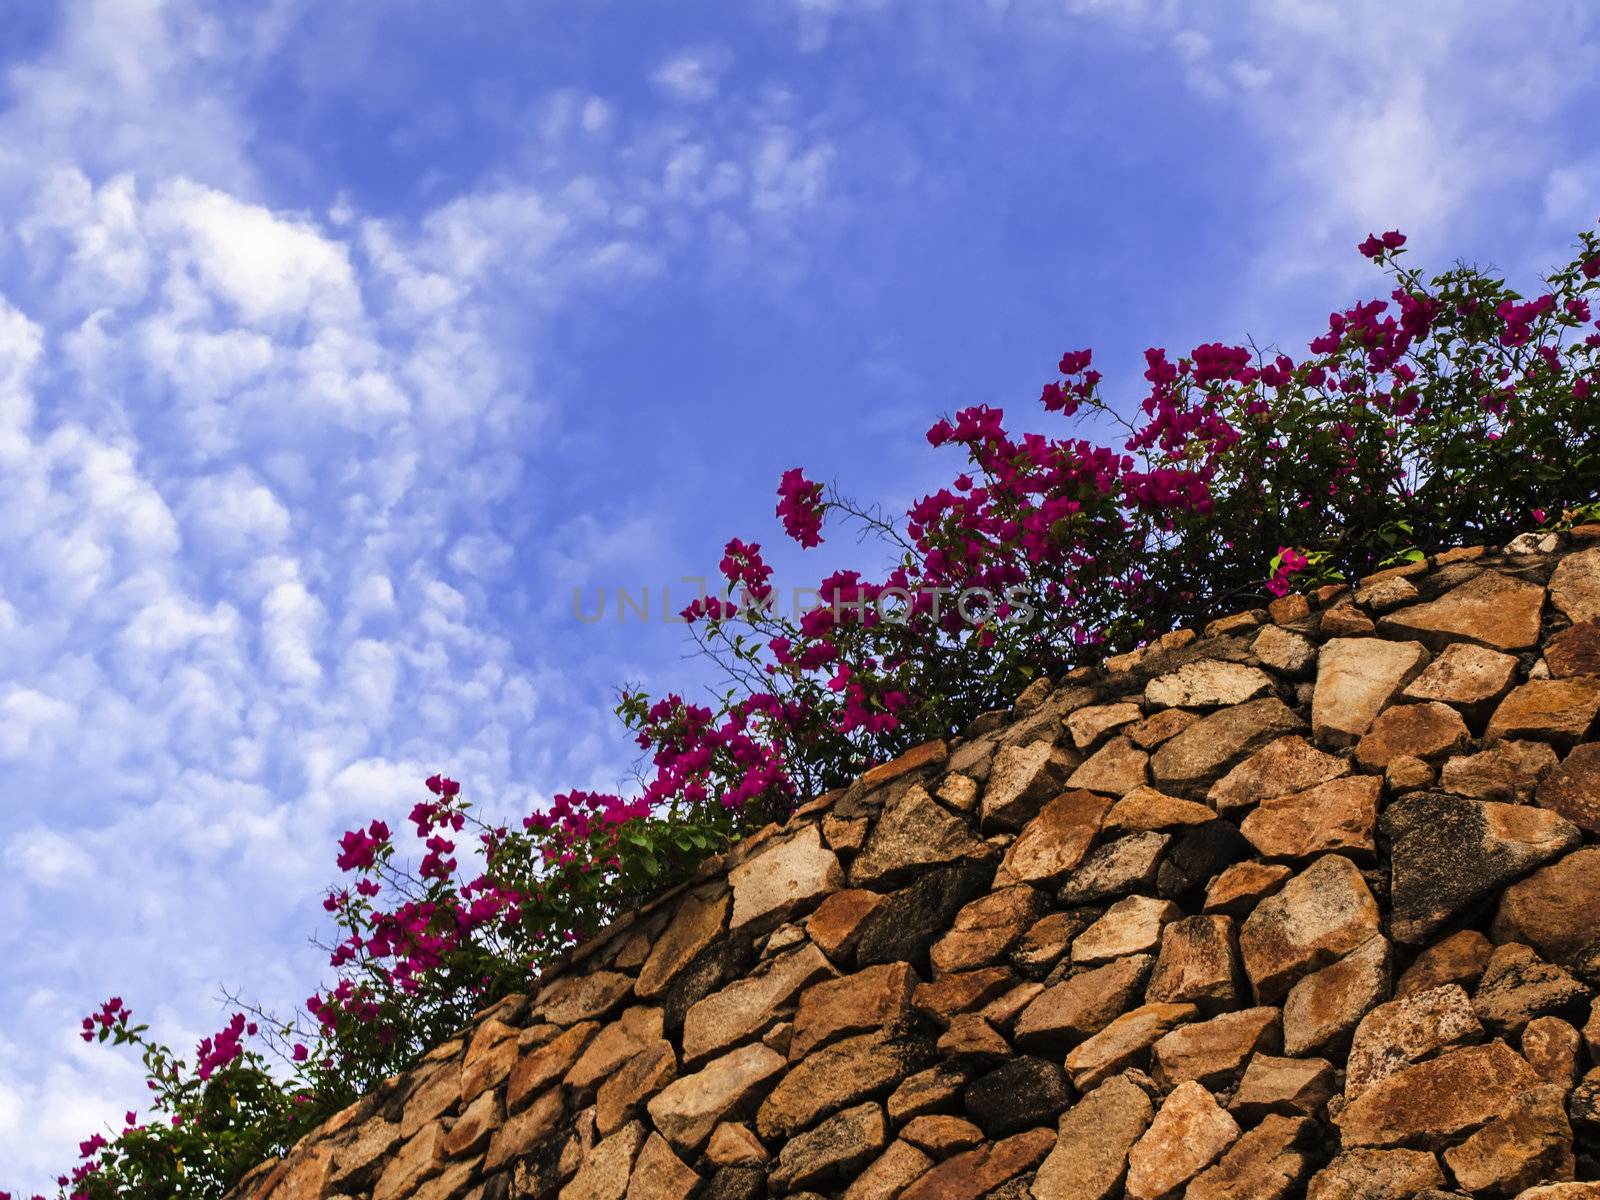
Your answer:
<point x="1455" y="411"/>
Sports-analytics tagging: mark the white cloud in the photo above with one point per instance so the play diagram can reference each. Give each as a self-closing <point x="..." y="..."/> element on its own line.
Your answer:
<point x="690" y="76"/>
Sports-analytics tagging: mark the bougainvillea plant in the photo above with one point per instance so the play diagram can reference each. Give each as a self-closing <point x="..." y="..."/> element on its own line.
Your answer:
<point x="1454" y="411"/>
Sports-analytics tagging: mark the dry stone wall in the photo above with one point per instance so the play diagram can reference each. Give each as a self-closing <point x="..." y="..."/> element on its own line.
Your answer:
<point x="1307" y="903"/>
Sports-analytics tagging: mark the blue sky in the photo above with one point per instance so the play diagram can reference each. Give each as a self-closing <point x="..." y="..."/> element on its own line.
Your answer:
<point x="340" y="342"/>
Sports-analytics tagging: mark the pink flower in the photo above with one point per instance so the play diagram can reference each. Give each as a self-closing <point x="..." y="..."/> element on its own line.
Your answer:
<point x="800" y="508"/>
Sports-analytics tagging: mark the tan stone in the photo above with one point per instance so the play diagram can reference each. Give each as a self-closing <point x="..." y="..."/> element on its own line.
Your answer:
<point x="1130" y="926"/>
<point x="1459" y="959"/>
<point x="747" y="1006"/>
<point x="1208" y="683"/>
<point x="845" y="836"/>
<point x="889" y="1174"/>
<point x="697" y="920"/>
<point x="534" y="1072"/>
<point x="659" y="1174"/>
<point x="986" y="929"/>
<point x="1321" y="914"/>
<point x="1574" y="651"/>
<point x="1215" y="1052"/>
<point x="1189" y="1133"/>
<point x="1428" y="730"/>
<point x="839" y="1146"/>
<point x="474" y="1126"/>
<point x="1144" y="809"/>
<point x="525" y="1130"/>
<point x="1381" y="595"/>
<point x="1407" y="774"/>
<point x="1376" y="1175"/>
<point x="1088" y="725"/>
<point x="1505" y="771"/>
<point x="1267" y="1163"/>
<point x="420" y="1156"/>
<point x="1286" y="610"/>
<point x="1160" y="727"/>
<point x="1021" y="780"/>
<point x="838" y="923"/>
<point x="1124" y="1043"/>
<point x="1407" y="1030"/>
<point x="926" y="755"/>
<point x="1344" y="619"/>
<point x="914" y="831"/>
<point x="490" y="1054"/>
<point x="1115" y="868"/>
<point x="959" y="792"/>
<point x="1289" y="764"/>
<point x="1115" y="769"/>
<point x="688" y="1109"/>
<point x="1284" y="650"/>
<point x="1242" y="886"/>
<point x="837" y="1076"/>
<point x="941" y="1136"/>
<point x="1081" y="1005"/>
<point x="371" y="1142"/>
<point x="783" y="879"/>
<point x="1089" y="1159"/>
<point x="1518" y="985"/>
<point x="1495" y="610"/>
<point x="1555" y="909"/>
<point x="614" y="1045"/>
<point x="1431" y="1102"/>
<point x="869" y="999"/>
<point x="1575" y="585"/>
<point x="734" y="1144"/>
<point x="1551" y="1047"/>
<point x="1056" y="840"/>
<point x="1464" y="674"/>
<point x="1206" y="749"/>
<point x="977" y="1173"/>
<point x="1198" y="964"/>
<point x="972" y="1039"/>
<point x="1289" y="1086"/>
<point x="1356" y="679"/>
<point x="1561" y="1191"/>
<point x="433" y="1092"/>
<point x="641" y="1077"/>
<point x="1340" y="816"/>
<point x="1573" y="788"/>
<point x="1530" y="1144"/>
<point x="934" y="1090"/>
<point x="447" y="1185"/>
<point x="962" y="992"/>
<point x="604" y="1172"/>
<point x="1559" y="711"/>
<point x="1326" y="1005"/>
<point x="1050" y="937"/>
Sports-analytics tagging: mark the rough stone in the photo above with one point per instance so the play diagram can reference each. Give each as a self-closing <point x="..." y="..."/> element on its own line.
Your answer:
<point x="1431" y="1102"/>
<point x="1505" y="771"/>
<point x="1160" y="727"/>
<point x="980" y="1172"/>
<point x="837" y="1076"/>
<point x="695" y="924"/>
<point x="890" y="1173"/>
<point x="536" y="1071"/>
<point x="491" y="1052"/>
<point x="1284" y="650"/>
<point x="1289" y="764"/>
<point x="1081" y="1005"/>
<point x="958" y="792"/>
<point x="1459" y="959"/>
<point x="868" y="999"/>
<point x="1115" y="868"/>
<point x="962" y="992"/>
<point x="1195" y="855"/>
<point x="1021" y="1094"/>
<point x="937" y="1089"/>
<point x="1289" y="1086"/>
<point x="659" y="1174"/>
<point x="1556" y="910"/>
<point x="618" y="1099"/>
<point x="1144" y="810"/>
<point x="1048" y="940"/>
<point x="1087" y="725"/>
<point x="1090" y="1157"/>
<point x="1321" y="914"/>
<point x="1466" y="675"/>
<point x="604" y="1172"/>
<point x="1495" y="610"/>
<point x="1530" y="1144"/>
<point x="1055" y="841"/>
<point x="420" y="1156"/>
<point x="1125" y="1042"/>
<point x="1267" y="1163"/>
<point x="783" y="879"/>
<point x="913" y="832"/>
<point x="474" y="1126"/>
<point x="941" y="1136"/>
<point x="526" y="1130"/>
<point x="1574" y="651"/>
<point x="926" y="755"/>
<point x="1376" y="1175"/>
<point x="1552" y="1047"/>
<point x="574" y="998"/>
<point x="973" y="1042"/>
<point x="1021" y="780"/>
<point x="1198" y="964"/>
<point x="1242" y="886"/>
<point x="1558" y="711"/>
<point x="1572" y="789"/>
<point x="1340" y="816"/>
<point x="837" y="924"/>
<point x="1203" y="751"/>
<point x="1208" y="683"/>
<point x="1407" y="1030"/>
<point x="1449" y="853"/>
<point x="617" y="1041"/>
<point x="987" y="928"/>
<point x="747" y="1006"/>
<point x="1130" y="926"/>
<point x="1325" y="1006"/>
<point x="734" y="1144"/>
<point x="840" y="1145"/>
<point x="909" y="921"/>
<point x="1188" y="1134"/>
<point x="1407" y="774"/>
<point x="1115" y="769"/>
<point x="1428" y="730"/>
<point x="1575" y="585"/>
<point x="1356" y="680"/>
<point x="1518" y="986"/>
<point x="688" y="1109"/>
<point x="1214" y="1052"/>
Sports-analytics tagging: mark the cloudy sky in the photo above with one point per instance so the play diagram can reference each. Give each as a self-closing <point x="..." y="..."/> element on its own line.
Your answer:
<point x="340" y="342"/>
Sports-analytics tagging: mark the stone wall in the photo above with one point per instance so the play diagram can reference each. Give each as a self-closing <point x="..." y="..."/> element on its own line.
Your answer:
<point x="1305" y="904"/>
